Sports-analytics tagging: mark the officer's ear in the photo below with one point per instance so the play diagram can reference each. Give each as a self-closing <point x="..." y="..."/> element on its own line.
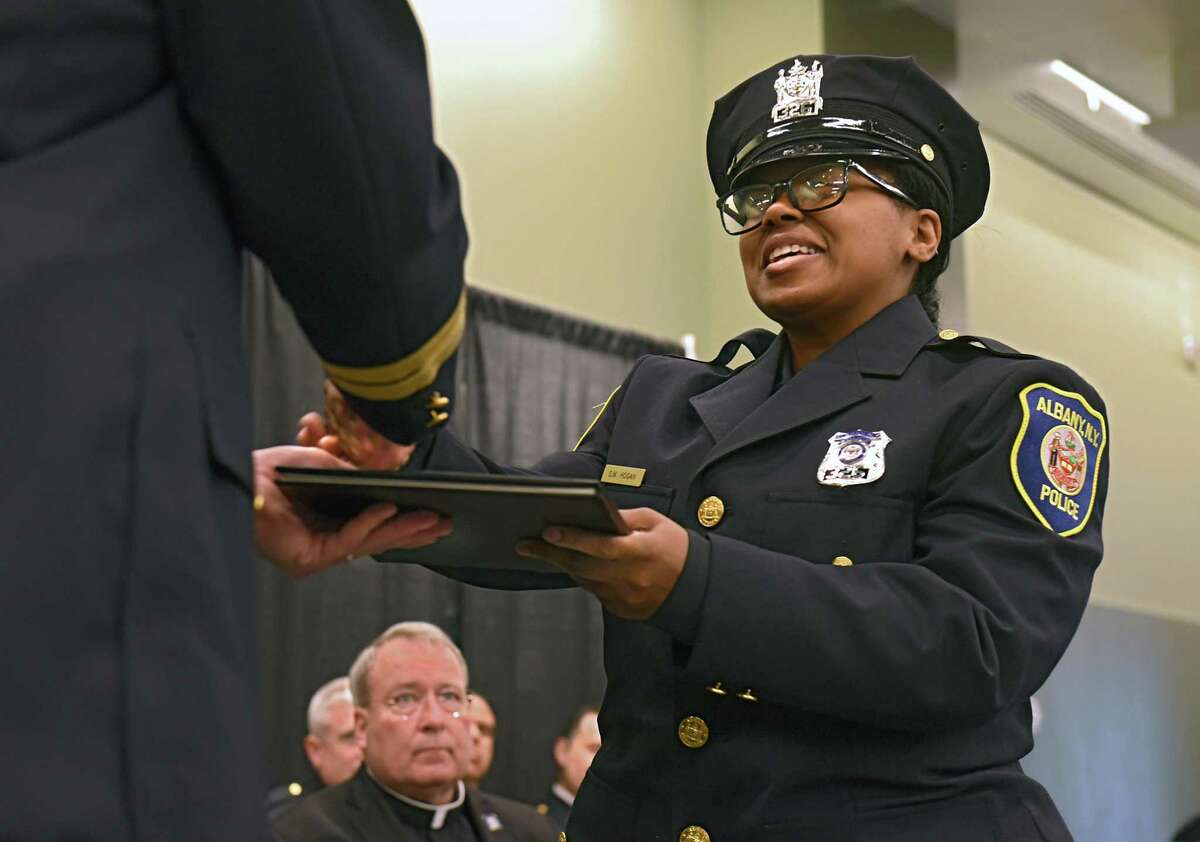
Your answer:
<point x="926" y="235"/>
<point x="360" y="727"/>
<point x="562" y="747"/>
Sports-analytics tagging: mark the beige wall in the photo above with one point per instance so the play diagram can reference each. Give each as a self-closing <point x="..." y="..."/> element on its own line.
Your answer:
<point x="1057" y="271"/>
<point x="578" y="128"/>
<point x="556" y="112"/>
<point x="740" y="39"/>
<point x="574" y="127"/>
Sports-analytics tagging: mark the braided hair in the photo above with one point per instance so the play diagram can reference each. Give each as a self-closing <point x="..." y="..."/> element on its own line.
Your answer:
<point x="927" y="194"/>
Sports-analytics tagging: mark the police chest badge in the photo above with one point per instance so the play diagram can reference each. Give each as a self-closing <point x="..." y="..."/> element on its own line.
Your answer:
<point x="1056" y="456"/>
<point x="853" y="458"/>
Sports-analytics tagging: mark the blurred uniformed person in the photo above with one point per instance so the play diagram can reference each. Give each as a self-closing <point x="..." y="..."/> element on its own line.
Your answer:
<point x="574" y="751"/>
<point x="330" y="744"/>
<point x="482" y="720"/>
<point x="855" y="558"/>
<point x="142" y="145"/>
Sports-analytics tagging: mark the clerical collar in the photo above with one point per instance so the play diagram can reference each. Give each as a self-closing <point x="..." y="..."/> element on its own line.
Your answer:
<point x="562" y="793"/>
<point x="439" y="811"/>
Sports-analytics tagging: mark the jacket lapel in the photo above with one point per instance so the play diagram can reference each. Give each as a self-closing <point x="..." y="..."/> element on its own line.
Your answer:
<point x="741" y="414"/>
<point x="825" y="386"/>
<point x="484" y="830"/>
<point x="370" y="812"/>
<point x="724" y="406"/>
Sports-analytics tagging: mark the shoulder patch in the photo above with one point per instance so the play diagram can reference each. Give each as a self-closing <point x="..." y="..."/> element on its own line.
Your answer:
<point x="1056" y="456"/>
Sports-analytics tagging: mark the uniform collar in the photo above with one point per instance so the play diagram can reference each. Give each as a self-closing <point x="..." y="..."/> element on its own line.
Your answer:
<point x="883" y="346"/>
<point x="746" y="407"/>
<point x="562" y="794"/>
<point x="888" y="342"/>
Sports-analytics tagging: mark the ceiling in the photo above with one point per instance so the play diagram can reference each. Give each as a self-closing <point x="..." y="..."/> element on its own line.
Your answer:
<point x="995" y="57"/>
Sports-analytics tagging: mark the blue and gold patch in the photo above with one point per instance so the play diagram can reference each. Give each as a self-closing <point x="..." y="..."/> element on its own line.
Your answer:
<point x="1056" y="457"/>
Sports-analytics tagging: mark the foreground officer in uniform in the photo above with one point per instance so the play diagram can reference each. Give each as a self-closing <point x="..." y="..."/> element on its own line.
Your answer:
<point x="142" y="144"/>
<point x="855" y="558"/>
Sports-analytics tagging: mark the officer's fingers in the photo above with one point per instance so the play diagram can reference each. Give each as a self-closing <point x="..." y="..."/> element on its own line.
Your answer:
<point x="332" y="395"/>
<point x="269" y="458"/>
<point x="354" y="531"/>
<point x="586" y="542"/>
<point x="312" y="429"/>
<point x="643" y="519"/>
<point x="332" y="445"/>
<point x="409" y="531"/>
<point x="352" y="539"/>
<point x="568" y="561"/>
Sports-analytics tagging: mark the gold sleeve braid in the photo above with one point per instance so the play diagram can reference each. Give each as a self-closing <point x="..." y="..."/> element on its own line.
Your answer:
<point x="400" y="379"/>
<point x="599" y="415"/>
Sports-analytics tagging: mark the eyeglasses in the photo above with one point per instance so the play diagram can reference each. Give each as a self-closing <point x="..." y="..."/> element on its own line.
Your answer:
<point x="814" y="188"/>
<point x="406" y="703"/>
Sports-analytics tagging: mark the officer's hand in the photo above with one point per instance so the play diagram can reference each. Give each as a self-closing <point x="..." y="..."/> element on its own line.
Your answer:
<point x="343" y="433"/>
<point x="292" y="539"/>
<point x="631" y="575"/>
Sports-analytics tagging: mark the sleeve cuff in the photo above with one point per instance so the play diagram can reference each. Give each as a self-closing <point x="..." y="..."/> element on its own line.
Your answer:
<point x="422" y="453"/>
<point x="679" y="615"/>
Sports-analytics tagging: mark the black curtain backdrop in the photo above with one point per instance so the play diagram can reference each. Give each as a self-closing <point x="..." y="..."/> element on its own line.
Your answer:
<point x="528" y="383"/>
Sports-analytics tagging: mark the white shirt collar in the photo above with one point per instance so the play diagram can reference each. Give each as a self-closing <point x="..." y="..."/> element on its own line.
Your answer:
<point x="439" y="810"/>
<point x="562" y="793"/>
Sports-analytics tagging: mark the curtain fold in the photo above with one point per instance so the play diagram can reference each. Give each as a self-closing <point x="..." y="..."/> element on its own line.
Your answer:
<point x="529" y="380"/>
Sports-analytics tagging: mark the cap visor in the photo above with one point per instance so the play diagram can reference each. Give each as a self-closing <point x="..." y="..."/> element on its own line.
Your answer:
<point x="816" y="148"/>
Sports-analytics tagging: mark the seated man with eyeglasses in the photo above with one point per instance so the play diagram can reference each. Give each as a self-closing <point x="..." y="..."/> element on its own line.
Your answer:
<point x="410" y="698"/>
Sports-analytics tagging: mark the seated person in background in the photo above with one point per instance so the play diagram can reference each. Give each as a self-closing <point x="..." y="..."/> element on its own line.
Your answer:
<point x="573" y="753"/>
<point x="331" y="745"/>
<point x="482" y="721"/>
<point x="409" y="687"/>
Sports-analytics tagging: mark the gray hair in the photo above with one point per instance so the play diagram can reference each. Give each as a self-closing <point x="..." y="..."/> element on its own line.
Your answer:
<point x="331" y="692"/>
<point x="360" y="672"/>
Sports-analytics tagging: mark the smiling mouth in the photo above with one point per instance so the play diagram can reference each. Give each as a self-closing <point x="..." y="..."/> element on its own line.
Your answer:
<point x="785" y="254"/>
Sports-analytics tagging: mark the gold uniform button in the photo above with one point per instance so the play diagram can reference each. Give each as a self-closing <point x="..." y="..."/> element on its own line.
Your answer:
<point x="294" y="789"/>
<point x="711" y="510"/>
<point x="843" y="561"/>
<point x="747" y="695"/>
<point x="717" y="689"/>
<point x="437" y="401"/>
<point x="927" y="152"/>
<point x="694" y="833"/>
<point x="693" y="732"/>
<point x="948" y="334"/>
<point x="436" y="418"/>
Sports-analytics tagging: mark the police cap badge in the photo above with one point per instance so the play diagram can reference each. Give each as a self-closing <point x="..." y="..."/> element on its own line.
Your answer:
<point x="831" y="106"/>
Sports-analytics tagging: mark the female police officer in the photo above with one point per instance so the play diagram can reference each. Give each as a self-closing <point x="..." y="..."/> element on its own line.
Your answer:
<point x="855" y="558"/>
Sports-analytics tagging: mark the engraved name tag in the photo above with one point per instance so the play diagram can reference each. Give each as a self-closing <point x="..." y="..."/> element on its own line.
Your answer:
<point x="621" y="475"/>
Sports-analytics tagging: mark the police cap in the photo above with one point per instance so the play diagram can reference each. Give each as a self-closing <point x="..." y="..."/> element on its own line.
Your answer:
<point x="829" y="105"/>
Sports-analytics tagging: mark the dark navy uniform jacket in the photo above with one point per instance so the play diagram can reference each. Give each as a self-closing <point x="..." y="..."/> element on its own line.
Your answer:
<point x="860" y="657"/>
<point x="142" y="145"/>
